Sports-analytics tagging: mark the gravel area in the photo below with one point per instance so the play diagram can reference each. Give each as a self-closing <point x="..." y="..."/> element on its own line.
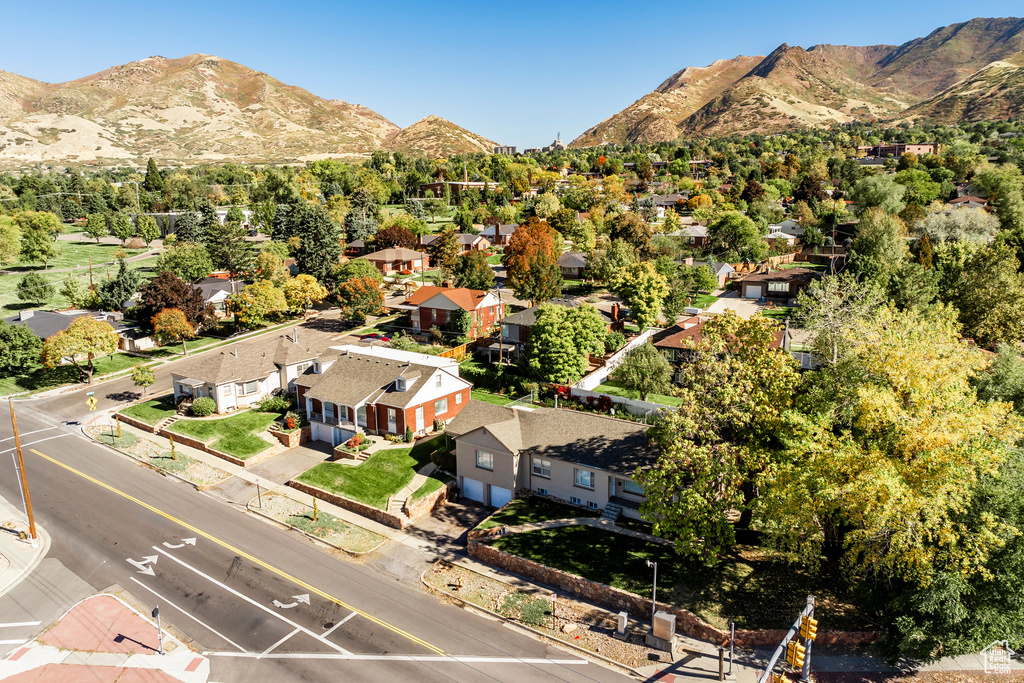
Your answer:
<point x="571" y="622"/>
<point x="346" y="536"/>
<point x="159" y="455"/>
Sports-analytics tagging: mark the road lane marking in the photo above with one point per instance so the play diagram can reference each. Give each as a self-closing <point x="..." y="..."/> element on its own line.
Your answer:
<point x="189" y="615"/>
<point x="15" y="624"/>
<point x="331" y="629"/>
<point x="24" y="434"/>
<point x="243" y="554"/>
<point x="249" y="600"/>
<point x="274" y="646"/>
<point x="20" y="641"/>
<point x="402" y="658"/>
<point x="31" y="443"/>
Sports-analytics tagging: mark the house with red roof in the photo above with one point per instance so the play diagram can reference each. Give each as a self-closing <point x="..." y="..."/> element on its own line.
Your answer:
<point x="429" y="306"/>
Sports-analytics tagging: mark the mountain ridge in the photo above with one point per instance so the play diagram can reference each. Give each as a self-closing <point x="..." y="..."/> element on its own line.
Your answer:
<point x="794" y="87"/>
<point x="197" y="108"/>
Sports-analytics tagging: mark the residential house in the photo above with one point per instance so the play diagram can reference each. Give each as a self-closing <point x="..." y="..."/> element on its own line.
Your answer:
<point x="467" y="243"/>
<point x="398" y="260"/>
<point x="436" y="188"/>
<point x="788" y="227"/>
<point x="581" y="458"/>
<point x="379" y="391"/>
<point x="216" y="290"/>
<point x="723" y="272"/>
<point x="969" y="202"/>
<point x="500" y="234"/>
<point x="693" y="235"/>
<point x="675" y="342"/>
<point x="515" y="329"/>
<point x="429" y="306"/>
<point x="237" y="377"/>
<point x="776" y="284"/>
<point x="572" y="264"/>
<point x="898" y="149"/>
<point x="355" y="248"/>
<point x="45" y="324"/>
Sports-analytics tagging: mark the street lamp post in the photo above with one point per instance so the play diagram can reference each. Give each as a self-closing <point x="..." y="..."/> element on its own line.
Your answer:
<point x="654" y="591"/>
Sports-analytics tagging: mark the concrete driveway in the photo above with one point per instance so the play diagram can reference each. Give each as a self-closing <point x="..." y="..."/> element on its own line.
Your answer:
<point x="745" y="308"/>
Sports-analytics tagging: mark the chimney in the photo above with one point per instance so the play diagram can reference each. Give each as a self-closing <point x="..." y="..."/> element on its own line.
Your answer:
<point x="615" y="312"/>
<point x="446" y="284"/>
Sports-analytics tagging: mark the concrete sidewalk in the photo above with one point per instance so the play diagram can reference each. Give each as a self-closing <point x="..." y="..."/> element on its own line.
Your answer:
<point x="104" y="639"/>
<point x="18" y="557"/>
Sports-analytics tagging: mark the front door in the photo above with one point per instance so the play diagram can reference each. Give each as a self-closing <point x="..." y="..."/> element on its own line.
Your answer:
<point x="419" y="419"/>
<point x="392" y="420"/>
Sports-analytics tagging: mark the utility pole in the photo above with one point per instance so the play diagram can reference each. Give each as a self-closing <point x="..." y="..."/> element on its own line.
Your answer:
<point x="138" y="204"/>
<point x="21" y="472"/>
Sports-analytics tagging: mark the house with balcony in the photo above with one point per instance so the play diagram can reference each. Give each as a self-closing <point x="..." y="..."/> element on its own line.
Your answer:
<point x="580" y="458"/>
<point x="429" y="306"/>
<point x="240" y="376"/>
<point x="351" y="389"/>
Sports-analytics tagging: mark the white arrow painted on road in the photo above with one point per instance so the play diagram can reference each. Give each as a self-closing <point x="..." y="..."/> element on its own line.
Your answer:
<point x="184" y="542"/>
<point x="298" y="598"/>
<point x="143" y="565"/>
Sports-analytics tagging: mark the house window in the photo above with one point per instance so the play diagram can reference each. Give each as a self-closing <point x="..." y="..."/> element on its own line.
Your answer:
<point x="250" y="387"/>
<point x="583" y="478"/>
<point x="301" y="368"/>
<point x="542" y="492"/>
<point x="778" y="287"/>
<point x="438" y="385"/>
<point x="492" y="310"/>
<point x="458" y="398"/>
<point x="485" y="460"/>
<point x="542" y="468"/>
<point x="575" y="501"/>
<point x="592" y="505"/>
<point x="634" y="488"/>
<point x="441" y="406"/>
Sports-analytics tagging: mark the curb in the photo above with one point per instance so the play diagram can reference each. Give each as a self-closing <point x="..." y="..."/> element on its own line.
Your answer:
<point x="310" y="536"/>
<point x="44" y="537"/>
<point x="512" y="622"/>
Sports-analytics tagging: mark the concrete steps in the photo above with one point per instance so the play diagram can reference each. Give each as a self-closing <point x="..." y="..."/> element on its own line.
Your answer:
<point x="611" y="512"/>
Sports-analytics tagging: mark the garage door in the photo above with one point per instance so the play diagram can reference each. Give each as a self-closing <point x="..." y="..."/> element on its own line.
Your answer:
<point x="500" y="496"/>
<point x="473" y="489"/>
<point x="752" y="292"/>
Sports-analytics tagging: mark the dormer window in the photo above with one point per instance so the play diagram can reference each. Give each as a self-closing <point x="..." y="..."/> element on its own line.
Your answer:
<point x="400" y="384"/>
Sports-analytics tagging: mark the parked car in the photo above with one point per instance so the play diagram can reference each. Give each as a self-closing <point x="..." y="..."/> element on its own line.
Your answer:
<point x="374" y="337"/>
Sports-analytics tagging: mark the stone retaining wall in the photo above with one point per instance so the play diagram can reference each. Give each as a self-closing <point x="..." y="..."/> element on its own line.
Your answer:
<point x="380" y="516"/>
<point x="619" y="600"/>
<point x="199" y="445"/>
<point x="430" y="502"/>
<point x="293" y="438"/>
<point x="136" y="423"/>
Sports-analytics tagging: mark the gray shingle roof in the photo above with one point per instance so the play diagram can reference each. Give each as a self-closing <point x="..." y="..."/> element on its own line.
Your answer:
<point x="570" y="435"/>
<point x="248" y="361"/>
<point x="528" y="317"/>
<point x="45" y="324"/>
<point x="572" y="259"/>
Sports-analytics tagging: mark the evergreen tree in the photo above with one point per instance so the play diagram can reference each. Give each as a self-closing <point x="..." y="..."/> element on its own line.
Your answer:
<point x="228" y="247"/>
<point x="187" y="228"/>
<point x="114" y="293"/>
<point x="154" y="181"/>
<point x="321" y="240"/>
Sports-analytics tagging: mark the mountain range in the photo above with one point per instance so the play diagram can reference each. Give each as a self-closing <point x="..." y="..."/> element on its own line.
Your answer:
<point x="198" y="109"/>
<point x="967" y="71"/>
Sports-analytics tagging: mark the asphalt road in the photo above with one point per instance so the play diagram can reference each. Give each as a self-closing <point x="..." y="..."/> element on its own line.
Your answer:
<point x="114" y="522"/>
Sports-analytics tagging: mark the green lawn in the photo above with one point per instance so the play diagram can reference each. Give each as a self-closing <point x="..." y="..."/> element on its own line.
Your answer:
<point x="429" y="486"/>
<point x="152" y="411"/>
<point x="75" y="254"/>
<point x="702" y="300"/>
<point x="616" y="389"/>
<point x="752" y="586"/>
<point x="533" y="509"/>
<point x="382" y="475"/>
<point x="494" y="259"/>
<point x="235" y="435"/>
<point x="37" y="378"/>
<point x="779" y="312"/>
<point x="488" y="397"/>
<point x="175" y="349"/>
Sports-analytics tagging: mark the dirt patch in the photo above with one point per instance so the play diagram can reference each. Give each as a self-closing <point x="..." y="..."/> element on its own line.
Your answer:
<point x="159" y="455"/>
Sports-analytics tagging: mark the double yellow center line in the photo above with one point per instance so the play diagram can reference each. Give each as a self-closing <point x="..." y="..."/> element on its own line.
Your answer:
<point x="242" y="553"/>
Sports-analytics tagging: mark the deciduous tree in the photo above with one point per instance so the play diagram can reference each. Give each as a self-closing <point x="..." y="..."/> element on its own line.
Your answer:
<point x="143" y="376"/>
<point x="360" y="297"/>
<point x="121" y="227"/>
<point x="560" y="340"/>
<point x="96" y="226"/>
<point x="255" y="303"/>
<point x="37" y="243"/>
<point x="85" y="340"/>
<point x="531" y="261"/>
<point x="35" y="288"/>
<point x="188" y="261"/>
<point x="644" y="371"/>
<point x="474" y="272"/>
<point x="302" y="291"/>
<point x="168" y="291"/>
<point x="394" y="236"/>
<point x="643" y="289"/>
<point x="445" y="251"/>
<point x="171" y="325"/>
<point x="19" y="347"/>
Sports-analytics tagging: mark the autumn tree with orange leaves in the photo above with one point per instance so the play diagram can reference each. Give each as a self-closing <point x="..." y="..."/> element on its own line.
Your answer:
<point x="531" y="261"/>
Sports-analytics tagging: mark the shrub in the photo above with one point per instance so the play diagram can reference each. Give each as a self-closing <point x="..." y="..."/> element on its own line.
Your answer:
<point x="393" y="438"/>
<point x="404" y="342"/>
<point x="443" y="457"/>
<point x="134" y="243"/>
<point x="613" y="341"/>
<point x="438" y="425"/>
<point x="274" y="404"/>
<point x="203" y="406"/>
<point x="408" y="434"/>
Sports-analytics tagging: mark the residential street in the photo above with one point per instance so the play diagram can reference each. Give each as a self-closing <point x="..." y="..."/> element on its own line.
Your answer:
<point x="239" y="590"/>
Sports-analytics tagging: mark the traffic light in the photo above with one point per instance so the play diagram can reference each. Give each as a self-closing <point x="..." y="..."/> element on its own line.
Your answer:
<point x="808" y="628"/>
<point x="795" y="654"/>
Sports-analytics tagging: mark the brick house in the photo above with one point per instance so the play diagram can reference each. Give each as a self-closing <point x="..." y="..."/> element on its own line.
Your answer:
<point x="500" y="234"/>
<point x="515" y="329"/>
<point x="776" y="284"/>
<point x="675" y="342"/>
<point x="467" y="243"/>
<point x="391" y="261"/>
<point x="572" y="264"/>
<point x="351" y="390"/>
<point x="430" y="306"/>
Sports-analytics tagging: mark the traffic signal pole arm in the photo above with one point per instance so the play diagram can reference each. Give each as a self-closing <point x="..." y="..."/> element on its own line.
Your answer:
<point x="808" y="611"/>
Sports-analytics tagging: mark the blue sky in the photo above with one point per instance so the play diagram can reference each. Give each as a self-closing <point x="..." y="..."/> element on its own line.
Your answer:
<point x="516" y="72"/>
